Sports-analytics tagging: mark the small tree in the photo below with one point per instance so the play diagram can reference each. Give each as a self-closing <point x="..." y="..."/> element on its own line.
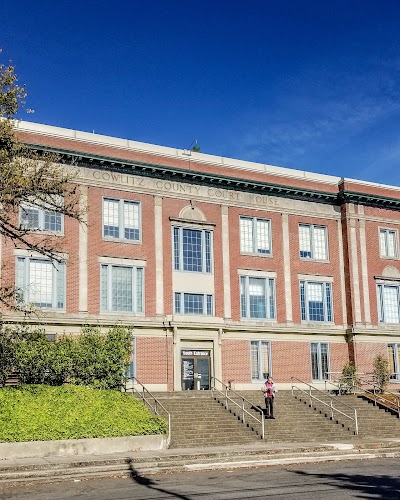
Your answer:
<point x="28" y="178"/>
<point x="348" y="377"/>
<point x="381" y="371"/>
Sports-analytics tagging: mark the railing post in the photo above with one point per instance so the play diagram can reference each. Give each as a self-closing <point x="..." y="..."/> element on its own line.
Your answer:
<point x="310" y="398"/>
<point x="356" y="421"/>
<point x="331" y="409"/>
<point x="226" y="398"/>
<point x="243" y="410"/>
<point x="262" y="426"/>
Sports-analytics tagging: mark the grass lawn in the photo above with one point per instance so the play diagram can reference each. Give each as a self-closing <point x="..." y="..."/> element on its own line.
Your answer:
<point x="44" y="413"/>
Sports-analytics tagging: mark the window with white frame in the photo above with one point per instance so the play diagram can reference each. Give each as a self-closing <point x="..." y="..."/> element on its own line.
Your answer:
<point x="394" y="361"/>
<point x="194" y="303"/>
<point x="39" y="219"/>
<point x="121" y="219"/>
<point x="41" y="282"/>
<point x="388" y="303"/>
<point x="388" y="243"/>
<point x="122" y="288"/>
<point x="260" y="357"/>
<point x="192" y="250"/>
<point x="313" y="242"/>
<point x="257" y="297"/>
<point x="319" y="361"/>
<point x="255" y="235"/>
<point x="316" y="301"/>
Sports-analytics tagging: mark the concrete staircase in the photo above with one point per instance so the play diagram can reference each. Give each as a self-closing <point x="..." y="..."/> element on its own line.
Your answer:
<point x="197" y="420"/>
<point x="296" y="421"/>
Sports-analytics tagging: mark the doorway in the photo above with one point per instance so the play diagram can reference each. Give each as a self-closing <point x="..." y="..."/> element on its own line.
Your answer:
<point x="195" y="370"/>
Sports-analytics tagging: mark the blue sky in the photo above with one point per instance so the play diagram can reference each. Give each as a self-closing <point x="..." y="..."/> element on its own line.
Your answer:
<point x="312" y="85"/>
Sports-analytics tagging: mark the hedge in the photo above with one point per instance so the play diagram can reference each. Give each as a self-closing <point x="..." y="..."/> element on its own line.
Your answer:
<point x="90" y="359"/>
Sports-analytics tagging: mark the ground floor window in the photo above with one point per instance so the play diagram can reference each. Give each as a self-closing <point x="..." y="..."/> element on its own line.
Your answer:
<point x="319" y="361"/>
<point x="394" y="361"/>
<point x="260" y="352"/>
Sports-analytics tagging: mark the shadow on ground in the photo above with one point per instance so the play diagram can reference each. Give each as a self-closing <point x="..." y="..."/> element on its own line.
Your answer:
<point x="368" y="486"/>
<point x="152" y="485"/>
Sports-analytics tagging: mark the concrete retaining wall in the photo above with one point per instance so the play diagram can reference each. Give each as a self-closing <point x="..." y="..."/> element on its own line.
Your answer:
<point x="40" y="449"/>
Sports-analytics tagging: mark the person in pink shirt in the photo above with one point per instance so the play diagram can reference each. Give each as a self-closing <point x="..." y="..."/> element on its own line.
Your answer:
<point x="269" y="395"/>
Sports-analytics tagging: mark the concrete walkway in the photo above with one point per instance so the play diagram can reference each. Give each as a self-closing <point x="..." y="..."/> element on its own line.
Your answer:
<point x="139" y="463"/>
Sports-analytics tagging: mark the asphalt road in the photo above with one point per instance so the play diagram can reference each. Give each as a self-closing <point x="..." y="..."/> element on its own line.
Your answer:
<point x="377" y="479"/>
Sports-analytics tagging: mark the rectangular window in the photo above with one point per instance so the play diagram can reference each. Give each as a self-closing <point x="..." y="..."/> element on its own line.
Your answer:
<point x="319" y="361"/>
<point x="192" y="250"/>
<point x="260" y="354"/>
<point x="121" y="219"/>
<point x="122" y="288"/>
<point x="394" y="361"/>
<point x="194" y="303"/>
<point x="41" y="282"/>
<point x="316" y="301"/>
<point x="255" y="235"/>
<point x="388" y="303"/>
<point x="38" y="219"/>
<point x="257" y="297"/>
<point x="313" y="242"/>
<point x="388" y="243"/>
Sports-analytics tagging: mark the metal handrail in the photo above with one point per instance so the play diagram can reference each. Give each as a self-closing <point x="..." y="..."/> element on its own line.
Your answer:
<point x="377" y="396"/>
<point x="331" y="406"/>
<point x="155" y="408"/>
<point x="359" y="383"/>
<point x="224" y="394"/>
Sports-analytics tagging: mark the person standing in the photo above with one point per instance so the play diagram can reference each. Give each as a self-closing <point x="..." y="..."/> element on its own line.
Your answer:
<point x="269" y="395"/>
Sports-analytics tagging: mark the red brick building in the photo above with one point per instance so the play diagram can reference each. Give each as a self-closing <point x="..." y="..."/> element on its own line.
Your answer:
<point x="223" y="267"/>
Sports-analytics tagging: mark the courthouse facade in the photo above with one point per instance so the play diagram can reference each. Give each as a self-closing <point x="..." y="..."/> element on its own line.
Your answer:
<point x="223" y="268"/>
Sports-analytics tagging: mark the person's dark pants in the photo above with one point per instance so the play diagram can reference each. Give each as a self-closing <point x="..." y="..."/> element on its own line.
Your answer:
<point x="269" y="406"/>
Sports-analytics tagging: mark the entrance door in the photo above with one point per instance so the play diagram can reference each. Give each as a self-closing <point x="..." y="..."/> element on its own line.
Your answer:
<point x="195" y="370"/>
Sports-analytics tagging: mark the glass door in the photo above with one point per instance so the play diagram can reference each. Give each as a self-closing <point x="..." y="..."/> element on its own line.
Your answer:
<point x="195" y="370"/>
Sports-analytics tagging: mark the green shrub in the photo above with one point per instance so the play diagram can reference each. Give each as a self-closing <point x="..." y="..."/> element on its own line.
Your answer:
<point x="7" y="355"/>
<point x="42" y="413"/>
<point x="381" y="371"/>
<point x="91" y="359"/>
<point x="348" y="377"/>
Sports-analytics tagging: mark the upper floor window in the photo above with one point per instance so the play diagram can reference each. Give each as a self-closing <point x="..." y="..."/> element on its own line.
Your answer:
<point x="41" y="282"/>
<point x="388" y="243"/>
<point x="260" y="355"/>
<point x="121" y="288"/>
<point x="121" y="219"/>
<point x="316" y="301"/>
<point x="255" y="235"/>
<point x="194" y="303"/>
<point x="313" y="242"/>
<point x="39" y="219"/>
<point x="257" y="297"/>
<point x="388" y="303"/>
<point x="192" y="250"/>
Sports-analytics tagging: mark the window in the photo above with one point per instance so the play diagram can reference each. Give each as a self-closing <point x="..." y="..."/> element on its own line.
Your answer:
<point x="313" y="242"/>
<point x="121" y="219"/>
<point x="316" y="301"/>
<point x="41" y="282"/>
<point x="35" y="218"/>
<point x="194" y="303"/>
<point x="260" y="354"/>
<point x="388" y="243"/>
<point x="394" y="361"/>
<point x="319" y="361"/>
<point x="122" y="288"/>
<point x="192" y="250"/>
<point x="255" y="235"/>
<point x="257" y="297"/>
<point x="388" y="303"/>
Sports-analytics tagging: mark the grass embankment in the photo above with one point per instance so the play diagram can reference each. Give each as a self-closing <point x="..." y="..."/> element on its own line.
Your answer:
<point x="44" y="413"/>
